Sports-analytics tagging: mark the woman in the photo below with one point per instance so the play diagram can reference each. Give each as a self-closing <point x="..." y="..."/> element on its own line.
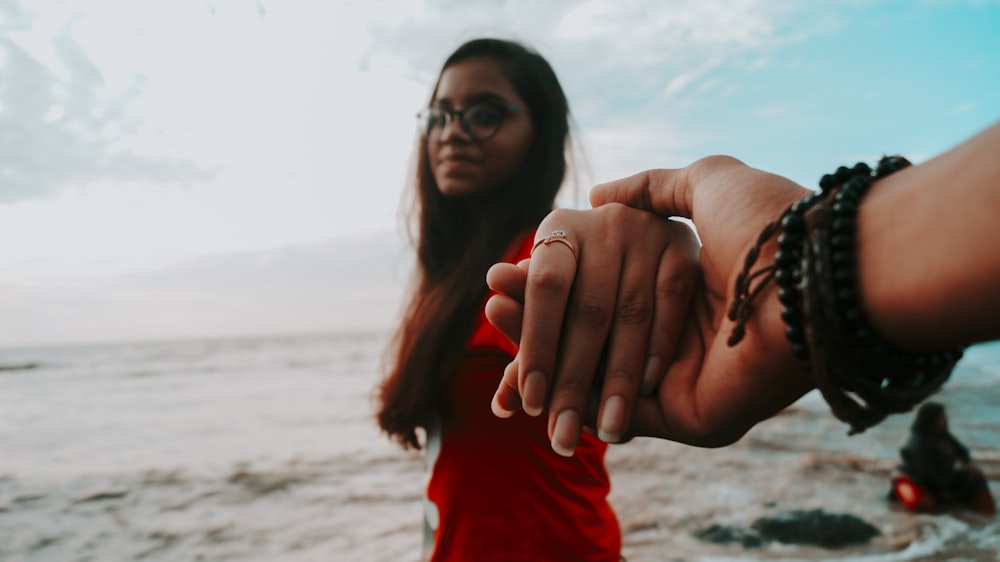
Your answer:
<point x="491" y="160"/>
<point x="937" y="469"/>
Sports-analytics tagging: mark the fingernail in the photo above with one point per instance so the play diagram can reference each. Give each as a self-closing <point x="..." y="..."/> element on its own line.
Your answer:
<point x="533" y="397"/>
<point x="566" y="434"/>
<point x="654" y="365"/>
<point x="612" y="422"/>
<point x="498" y="409"/>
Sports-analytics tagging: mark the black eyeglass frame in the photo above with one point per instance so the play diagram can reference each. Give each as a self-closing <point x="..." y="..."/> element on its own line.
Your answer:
<point x="427" y="124"/>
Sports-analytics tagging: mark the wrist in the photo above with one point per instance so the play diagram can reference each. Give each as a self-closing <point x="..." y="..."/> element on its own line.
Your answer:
<point x="862" y="376"/>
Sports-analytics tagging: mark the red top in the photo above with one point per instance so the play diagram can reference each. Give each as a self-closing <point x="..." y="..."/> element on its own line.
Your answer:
<point x="497" y="490"/>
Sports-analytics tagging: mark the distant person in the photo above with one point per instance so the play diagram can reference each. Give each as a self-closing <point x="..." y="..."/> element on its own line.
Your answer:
<point x="871" y="302"/>
<point x="491" y="159"/>
<point x="937" y="469"/>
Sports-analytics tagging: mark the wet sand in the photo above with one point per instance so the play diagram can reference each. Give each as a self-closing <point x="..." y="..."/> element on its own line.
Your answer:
<point x="263" y="450"/>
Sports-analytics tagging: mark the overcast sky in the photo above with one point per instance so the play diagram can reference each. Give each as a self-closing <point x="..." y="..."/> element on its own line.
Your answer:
<point x="196" y="168"/>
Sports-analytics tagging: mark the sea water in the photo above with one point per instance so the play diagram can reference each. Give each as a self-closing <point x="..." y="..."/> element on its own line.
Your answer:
<point x="265" y="449"/>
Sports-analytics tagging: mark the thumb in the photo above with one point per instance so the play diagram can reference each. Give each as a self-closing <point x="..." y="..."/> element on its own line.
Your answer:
<point x="664" y="192"/>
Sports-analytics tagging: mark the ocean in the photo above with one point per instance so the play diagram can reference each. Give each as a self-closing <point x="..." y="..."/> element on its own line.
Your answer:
<point x="263" y="449"/>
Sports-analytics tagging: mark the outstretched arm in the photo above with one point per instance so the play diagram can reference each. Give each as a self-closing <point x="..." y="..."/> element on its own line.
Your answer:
<point x="926" y="263"/>
<point x="927" y="252"/>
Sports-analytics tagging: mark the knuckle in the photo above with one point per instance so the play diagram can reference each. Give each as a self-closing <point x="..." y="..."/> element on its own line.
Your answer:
<point x="671" y="288"/>
<point x="614" y="209"/>
<point x="548" y="279"/>
<point x="592" y="310"/>
<point x="622" y="222"/>
<point x="714" y="161"/>
<point x="634" y="307"/>
<point x="620" y="377"/>
<point x="608" y="213"/>
<point x="615" y="215"/>
<point x="571" y="387"/>
<point x="557" y="218"/>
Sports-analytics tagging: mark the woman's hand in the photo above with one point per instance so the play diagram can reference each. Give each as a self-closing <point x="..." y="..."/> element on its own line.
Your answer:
<point x="711" y="393"/>
<point x="621" y="282"/>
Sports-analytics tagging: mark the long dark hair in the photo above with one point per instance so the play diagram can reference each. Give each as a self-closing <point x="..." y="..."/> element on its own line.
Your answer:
<point x="455" y="247"/>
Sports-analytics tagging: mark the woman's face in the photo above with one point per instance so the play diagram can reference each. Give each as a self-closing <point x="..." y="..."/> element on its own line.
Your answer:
<point x="462" y="165"/>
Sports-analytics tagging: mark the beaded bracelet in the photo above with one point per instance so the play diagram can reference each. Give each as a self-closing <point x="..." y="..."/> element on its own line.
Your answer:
<point x="861" y="376"/>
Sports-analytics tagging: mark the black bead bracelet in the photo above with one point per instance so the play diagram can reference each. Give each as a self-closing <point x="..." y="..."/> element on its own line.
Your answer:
<point x="861" y="376"/>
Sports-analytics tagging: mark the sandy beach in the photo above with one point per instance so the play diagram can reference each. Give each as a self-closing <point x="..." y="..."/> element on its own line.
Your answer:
<point x="264" y="449"/>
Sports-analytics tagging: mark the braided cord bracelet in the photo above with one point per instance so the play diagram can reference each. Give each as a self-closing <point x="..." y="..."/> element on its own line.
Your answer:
<point x="861" y="376"/>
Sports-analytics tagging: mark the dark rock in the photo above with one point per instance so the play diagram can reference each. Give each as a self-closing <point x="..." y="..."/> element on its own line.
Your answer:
<point x="720" y="534"/>
<point x="27" y="498"/>
<point x="261" y="484"/>
<point x="829" y="530"/>
<point x="19" y="367"/>
<point x="103" y="496"/>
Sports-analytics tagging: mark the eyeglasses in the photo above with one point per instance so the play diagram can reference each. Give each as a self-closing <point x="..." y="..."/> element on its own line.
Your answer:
<point x="480" y="121"/>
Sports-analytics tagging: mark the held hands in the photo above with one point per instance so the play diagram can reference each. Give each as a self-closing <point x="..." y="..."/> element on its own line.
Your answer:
<point x="635" y="312"/>
<point x="616" y="296"/>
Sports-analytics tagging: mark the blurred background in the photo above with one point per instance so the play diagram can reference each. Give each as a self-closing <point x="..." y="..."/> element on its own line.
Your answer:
<point x="220" y="167"/>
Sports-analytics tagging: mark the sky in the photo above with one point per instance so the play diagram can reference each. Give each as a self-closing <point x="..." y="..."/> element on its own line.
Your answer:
<point x="192" y="169"/>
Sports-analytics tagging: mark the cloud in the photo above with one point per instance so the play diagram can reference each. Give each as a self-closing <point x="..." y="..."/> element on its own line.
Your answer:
<point x="682" y="80"/>
<point x="600" y="35"/>
<point x="67" y="120"/>
<point x="59" y="128"/>
<point x="618" y="58"/>
<point x="621" y="149"/>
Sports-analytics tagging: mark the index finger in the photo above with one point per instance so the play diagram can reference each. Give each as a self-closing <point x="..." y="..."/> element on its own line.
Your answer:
<point x="664" y="192"/>
<point x="667" y="192"/>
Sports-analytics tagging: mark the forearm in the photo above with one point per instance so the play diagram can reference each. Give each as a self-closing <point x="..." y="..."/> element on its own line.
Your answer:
<point x="929" y="265"/>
